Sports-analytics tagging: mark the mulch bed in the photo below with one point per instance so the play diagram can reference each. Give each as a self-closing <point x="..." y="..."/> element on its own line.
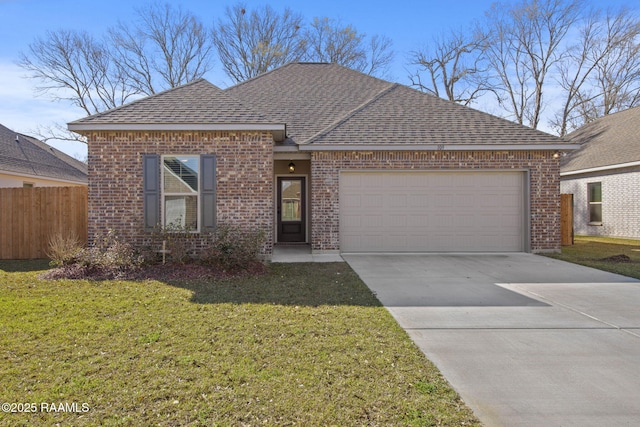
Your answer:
<point x="617" y="258"/>
<point x="160" y="272"/>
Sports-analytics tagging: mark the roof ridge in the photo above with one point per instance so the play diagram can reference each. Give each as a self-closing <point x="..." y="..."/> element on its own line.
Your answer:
<point x="271" y="71"/>
<point x="346" y="117"/>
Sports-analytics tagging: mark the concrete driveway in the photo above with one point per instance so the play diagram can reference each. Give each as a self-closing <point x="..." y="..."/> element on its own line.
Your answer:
<point x="526" y="340"/>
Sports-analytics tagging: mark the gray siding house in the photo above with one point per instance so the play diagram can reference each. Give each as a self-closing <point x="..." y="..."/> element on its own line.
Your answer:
<point x="604" y="176"/>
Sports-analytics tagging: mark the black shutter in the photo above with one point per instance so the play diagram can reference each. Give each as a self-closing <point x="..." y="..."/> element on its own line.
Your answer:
<point x="151" y="185"/>
<point x="208" y="192"/>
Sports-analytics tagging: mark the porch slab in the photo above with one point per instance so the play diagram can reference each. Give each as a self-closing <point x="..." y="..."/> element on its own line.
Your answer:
<point x="302" y="253"/>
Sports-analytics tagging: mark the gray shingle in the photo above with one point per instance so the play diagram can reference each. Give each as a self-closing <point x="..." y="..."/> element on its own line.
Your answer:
<point x="198" y="102"/>
<point x="30" y="156"/>
<point x="308" y="97"/>
<point x="325" y="104"/>
<point x="607" y="141"/>
<point x="331" y="104"/>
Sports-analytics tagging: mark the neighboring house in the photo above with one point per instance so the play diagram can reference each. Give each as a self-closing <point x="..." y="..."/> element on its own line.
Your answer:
<point x="28" y="162"/>
<point x="604" y="176"/>
<point x="323" y="155"/>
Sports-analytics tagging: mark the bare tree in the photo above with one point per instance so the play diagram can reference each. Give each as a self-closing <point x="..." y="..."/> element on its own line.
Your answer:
<point x="574" y="72"/>
<point x="617" y="76"/>
<point x="168" y="48"/>
<point x="165" y="47"/>
<point x="588" y="92"/>
<point x="526" y="43"/>
<point x="453" y="67"/>
<point x="73" y="66"/>
<point x="380" y="56"/>
<point x="251" y="43"/>
<point x="328" y="40"/>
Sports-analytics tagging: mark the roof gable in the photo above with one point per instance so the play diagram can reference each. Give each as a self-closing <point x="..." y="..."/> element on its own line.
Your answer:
<point x="25" y="155"/>
<point x="197" y="104"/>
<point x="608" y="141"/>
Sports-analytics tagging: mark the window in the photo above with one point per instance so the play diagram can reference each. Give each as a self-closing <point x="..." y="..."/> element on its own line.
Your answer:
<point x="27" y="184"/>
<point x="594" y="190"/>
<point x="179" y="191"/>
<point x="180" y="194"/>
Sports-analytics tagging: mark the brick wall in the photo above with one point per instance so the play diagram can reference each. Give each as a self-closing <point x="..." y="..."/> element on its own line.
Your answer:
<point x="620" y="206"/>
<point x="543" y="174"/>
<point x="244" y="177"/>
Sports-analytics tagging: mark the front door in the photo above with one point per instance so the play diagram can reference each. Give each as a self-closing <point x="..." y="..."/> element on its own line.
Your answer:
<point x="291" y="209"/>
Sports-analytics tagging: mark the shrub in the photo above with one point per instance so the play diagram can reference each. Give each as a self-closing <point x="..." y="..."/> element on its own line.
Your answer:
<point x="232" y="247"/>
<point x="179" y="241"/>
<point x="111" y="256"/>
<point x="63" y="249"/>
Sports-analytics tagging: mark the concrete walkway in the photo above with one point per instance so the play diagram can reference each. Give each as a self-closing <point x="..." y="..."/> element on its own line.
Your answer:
<point x="301" y="253"/>
<point x="526" y="340"/>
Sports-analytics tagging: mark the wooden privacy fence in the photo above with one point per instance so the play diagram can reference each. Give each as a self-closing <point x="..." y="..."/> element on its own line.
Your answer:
<point x="566" y="219"/>
<point x="30" y="216"/>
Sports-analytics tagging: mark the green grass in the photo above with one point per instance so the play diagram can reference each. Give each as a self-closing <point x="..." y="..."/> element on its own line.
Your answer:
<point x="305" y="345"/>
<point x="594" y="251"/>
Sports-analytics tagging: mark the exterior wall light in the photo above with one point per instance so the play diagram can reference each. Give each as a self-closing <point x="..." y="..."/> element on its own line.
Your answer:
<point x="292" y="167"/>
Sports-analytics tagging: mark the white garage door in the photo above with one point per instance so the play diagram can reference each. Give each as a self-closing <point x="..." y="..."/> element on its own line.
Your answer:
<point x="480" y="211"/>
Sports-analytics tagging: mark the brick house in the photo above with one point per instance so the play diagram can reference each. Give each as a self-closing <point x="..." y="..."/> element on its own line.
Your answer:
<point x="604" y="176"/>
<point x="322" y="155"/>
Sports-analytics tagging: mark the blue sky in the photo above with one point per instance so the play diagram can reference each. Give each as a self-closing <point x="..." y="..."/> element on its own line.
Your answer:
<point x="410" y="24"/>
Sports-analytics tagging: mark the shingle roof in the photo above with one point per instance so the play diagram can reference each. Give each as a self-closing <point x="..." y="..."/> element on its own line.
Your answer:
<point x="197" y="102"/>
<point x="308" y="97"/>
<point x="611" y="140"/>
<point x="331" y="104"/>
<point x="321" y="104"/>
<point x="29" y="156"/>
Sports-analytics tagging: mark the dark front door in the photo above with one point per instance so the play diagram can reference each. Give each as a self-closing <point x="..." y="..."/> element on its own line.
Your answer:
<point x="291" y="209"/>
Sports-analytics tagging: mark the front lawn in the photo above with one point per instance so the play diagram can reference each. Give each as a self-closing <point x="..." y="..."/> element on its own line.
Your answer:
<point x="621" y="256"/>
<point x="305" y="345"/>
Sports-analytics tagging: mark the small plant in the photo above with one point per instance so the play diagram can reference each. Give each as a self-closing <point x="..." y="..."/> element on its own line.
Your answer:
<point x="232" y="247"/>
<point x="178" y="240"/>
<point x="110" y="255"/>
<point x="63" y="249"/>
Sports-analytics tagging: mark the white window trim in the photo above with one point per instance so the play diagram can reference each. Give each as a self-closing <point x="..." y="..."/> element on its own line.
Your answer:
<point x="590" y="203"/>
<point x="164" y="194"/>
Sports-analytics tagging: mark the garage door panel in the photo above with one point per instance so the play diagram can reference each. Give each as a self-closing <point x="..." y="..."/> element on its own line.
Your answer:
<point x="372" y="201"/>
<point x="421" y="222"/>
<point x="432" y="211"/>
<point x="424" y="200"/>
<point x="372" y="221"/>
<point x="395" y="221"/>
<point x="396" y="201"/>
<point x="510" y="222"/>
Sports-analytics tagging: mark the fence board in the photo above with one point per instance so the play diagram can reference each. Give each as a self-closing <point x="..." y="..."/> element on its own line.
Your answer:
<point x="30" y="216"/>
<point x="566" y="219"/>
